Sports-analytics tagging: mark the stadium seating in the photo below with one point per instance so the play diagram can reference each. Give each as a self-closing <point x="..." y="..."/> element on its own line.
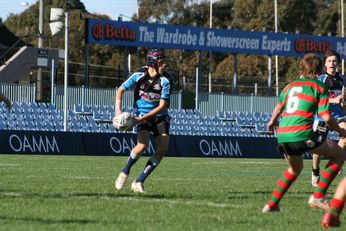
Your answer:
<point x="98" y="118"/>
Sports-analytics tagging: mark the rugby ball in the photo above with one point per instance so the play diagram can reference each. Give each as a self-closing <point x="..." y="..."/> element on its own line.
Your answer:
<point x="123" y="121"/>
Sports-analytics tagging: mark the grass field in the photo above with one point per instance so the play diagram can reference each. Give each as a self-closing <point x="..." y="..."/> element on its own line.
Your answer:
<point x="77" y="193"/>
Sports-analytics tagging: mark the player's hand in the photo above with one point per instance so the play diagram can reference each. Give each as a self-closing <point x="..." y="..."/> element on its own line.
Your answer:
<point x="339" y="99"/>
<point x="272" y="125"/>
<point x="135" y="121"/>
<point x="118" y="112"/>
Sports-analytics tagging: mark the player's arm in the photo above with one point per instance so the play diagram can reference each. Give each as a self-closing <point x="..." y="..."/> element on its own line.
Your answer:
<point x="129" y="83"/>
<point x="163" y="105"/>
<point x="118" y="100"/>
<point x="273" y="122"/>
<point x="331" y="122"/>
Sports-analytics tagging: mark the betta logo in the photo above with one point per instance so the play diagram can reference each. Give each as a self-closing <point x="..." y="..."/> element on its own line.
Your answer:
<point x="303" y="45"/>
<point x="109" y="31"/>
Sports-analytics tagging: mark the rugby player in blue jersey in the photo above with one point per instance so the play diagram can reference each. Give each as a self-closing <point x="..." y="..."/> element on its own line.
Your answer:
<point x="152" y="90"/>
<point x="335" y="82"/>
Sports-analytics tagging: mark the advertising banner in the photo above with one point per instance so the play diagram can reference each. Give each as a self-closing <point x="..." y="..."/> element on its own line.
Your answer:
<point x="120" y="144"/>
<point x="137" y="34"/>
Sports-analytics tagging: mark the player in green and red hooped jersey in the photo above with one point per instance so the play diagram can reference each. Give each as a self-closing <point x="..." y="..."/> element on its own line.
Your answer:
<point x="298" y="103"/>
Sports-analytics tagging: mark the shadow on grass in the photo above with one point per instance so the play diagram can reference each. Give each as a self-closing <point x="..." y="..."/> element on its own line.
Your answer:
<point x="245" y="195"/>
<point x="49" y="221"/>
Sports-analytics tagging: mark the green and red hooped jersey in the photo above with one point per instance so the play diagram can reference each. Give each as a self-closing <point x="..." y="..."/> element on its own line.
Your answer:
<point x="301" y="99"/>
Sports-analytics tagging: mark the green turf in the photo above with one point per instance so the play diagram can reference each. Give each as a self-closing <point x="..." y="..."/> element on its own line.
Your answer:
<point x="77" y="193"/>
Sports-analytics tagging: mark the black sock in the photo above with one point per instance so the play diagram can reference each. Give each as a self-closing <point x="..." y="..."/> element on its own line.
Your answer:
<point x="316" y="172"/>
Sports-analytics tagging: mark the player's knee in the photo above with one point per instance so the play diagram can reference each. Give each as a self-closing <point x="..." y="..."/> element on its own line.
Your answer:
<point x="141" y="147"/>
<point x="159" y="154"/>
<point x="295" y="170"/>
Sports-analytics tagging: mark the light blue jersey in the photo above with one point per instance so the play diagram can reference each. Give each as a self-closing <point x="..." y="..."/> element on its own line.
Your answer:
<point x="148" y="91"/>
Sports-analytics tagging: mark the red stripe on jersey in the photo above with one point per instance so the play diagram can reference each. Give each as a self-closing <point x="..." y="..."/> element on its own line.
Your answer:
<point x="323" y="101"/>
<point x="306" y="97"/>
<point x="294" y="128"/>
<point x="299" y="113"/>
<point x="326" y="112"/>
<point x="305" y="83"/>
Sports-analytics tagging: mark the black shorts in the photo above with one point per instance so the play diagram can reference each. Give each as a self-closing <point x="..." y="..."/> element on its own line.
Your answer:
<point x="158" y="125"/>
<point x="300" y="147"/>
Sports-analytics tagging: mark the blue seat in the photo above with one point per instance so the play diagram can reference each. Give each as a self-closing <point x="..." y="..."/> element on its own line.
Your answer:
<point x="51" y="106"/>
<point x="94" y="108"/>
<point x="31" y="126"/>
<point x="3" y="125"/>
<point x="12" y="125"/>
<point x="33" y="105"/>
<point x="256" y="116"/>
<point x="221" y="115"/>
<point x="82" y="109"/>
<point x="125" y="109"/>
<point x="45" y="111"/>
<point x="198" y="114"/>
<point x="103" y="127"/>
<point x="59" y="126"/>
<point x="93" y="126"/>
<point x="49" y="126"/>
<point x="40" y="126"/>
<point x="102" y="117"/>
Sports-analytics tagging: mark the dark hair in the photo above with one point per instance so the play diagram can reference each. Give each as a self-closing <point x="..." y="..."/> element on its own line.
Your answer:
<point x="310" y="66"/>
<point x="329" y="53"/>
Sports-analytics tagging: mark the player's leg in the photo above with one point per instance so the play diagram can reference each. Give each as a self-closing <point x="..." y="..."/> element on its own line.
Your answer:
<point x="336" y="205"/>
<point x="342" y="140"/>
<point x="321" y="131"/>
<point x="315" y="174"/>
<point x="337" y="157"/>
<point x="160" y="129"/>
<point x="295" y="166"/>
<point x="162" y="147"/>
<point x="143" y="138"/>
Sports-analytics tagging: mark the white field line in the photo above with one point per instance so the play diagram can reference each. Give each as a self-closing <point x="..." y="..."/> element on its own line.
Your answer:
<point x="9" y="164"/>
<point x="171" y="201"/>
